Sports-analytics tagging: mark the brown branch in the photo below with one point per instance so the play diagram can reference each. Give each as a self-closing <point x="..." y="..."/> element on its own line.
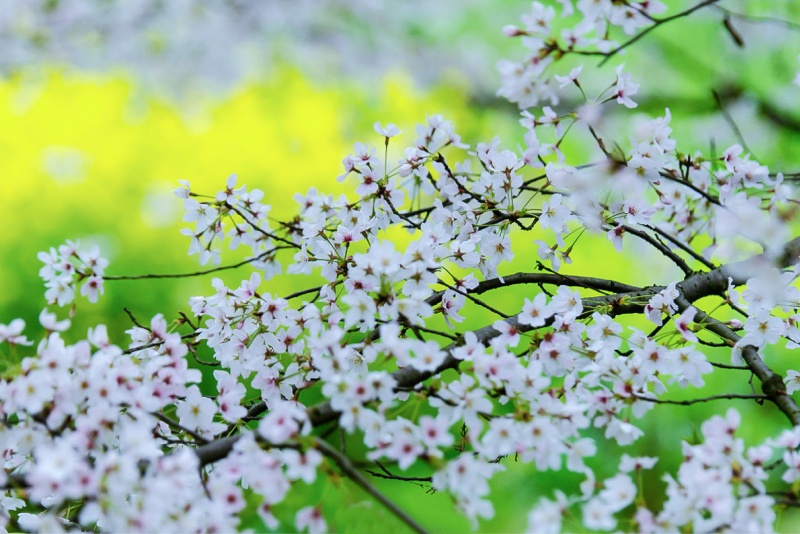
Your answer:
<point x="663" y="249"/>
<point x="586" y="282"/>
<point x="303" y="292"/>
<point x="154" y="344"/>
<point x="198" y="273"/>
<point x="257" y="228"/>
<point x="729" y="396"/>
<point x="726" y="366"/>
<point x="382" y="194"/>
<point x="772" y="383"/>
<point x="658" y="22"/>
<point x="216" y="450"/>
<point x="695" y="287"/>
<point x="133" y="319"/>
<point x="398" y="477"/>
<point x="477" y="301"/>
<point x="683" y="246"/>
<point x="177" y="426"/>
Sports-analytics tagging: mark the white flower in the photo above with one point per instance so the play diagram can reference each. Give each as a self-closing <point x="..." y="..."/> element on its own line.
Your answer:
<point x="390" y="131"/>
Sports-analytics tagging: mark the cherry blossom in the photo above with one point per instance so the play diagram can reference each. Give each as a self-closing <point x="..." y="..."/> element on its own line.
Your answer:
<point x="400" y="356"/>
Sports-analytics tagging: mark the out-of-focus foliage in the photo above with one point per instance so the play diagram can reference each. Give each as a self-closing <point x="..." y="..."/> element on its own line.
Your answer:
<point x="178" y="46"/>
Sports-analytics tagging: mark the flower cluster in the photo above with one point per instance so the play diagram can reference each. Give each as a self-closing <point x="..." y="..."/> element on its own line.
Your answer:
<point x="402" y="345"/>
<point x="67" y="267"/>
<point x="528" y="83"/>
<point x="720" y="484"/>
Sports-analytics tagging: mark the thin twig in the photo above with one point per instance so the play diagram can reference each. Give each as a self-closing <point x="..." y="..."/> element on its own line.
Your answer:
<point x="729" y="119"/>
<point x="729" y="396"/>
<point x="677" y="260"/>
<point x="398" y="477"/>
<point x="175" y="425"/>
<point x="687" y="249"/>
<point x="133" y="318"/>
<point x="269" y="235"/>
<point x="352" y="473"/>
<point x="197" y="273"/>
<point x="659" y="22"/>
<point x="154" y="344"/>
<point x="477" y="301"/>
<point x="727" y="366"/>
<point x="303" y="292"/>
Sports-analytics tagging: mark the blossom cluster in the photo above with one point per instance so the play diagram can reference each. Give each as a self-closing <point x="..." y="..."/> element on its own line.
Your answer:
<point x="528" y="82"/>
<point x="403" y="345"/>
<point x="67" y="267"/>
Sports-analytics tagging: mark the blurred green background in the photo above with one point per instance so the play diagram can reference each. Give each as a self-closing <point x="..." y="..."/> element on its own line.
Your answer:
<point x="91" y="157"/>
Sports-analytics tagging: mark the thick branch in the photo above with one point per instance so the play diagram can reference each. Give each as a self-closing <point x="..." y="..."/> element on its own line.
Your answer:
<point x="586" y="282"/>
<point x="771" y="382"/>
<point x="693" y="288"/>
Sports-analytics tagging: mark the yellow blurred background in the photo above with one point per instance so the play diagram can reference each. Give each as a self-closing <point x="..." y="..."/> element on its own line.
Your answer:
<point x="89" y="158"/>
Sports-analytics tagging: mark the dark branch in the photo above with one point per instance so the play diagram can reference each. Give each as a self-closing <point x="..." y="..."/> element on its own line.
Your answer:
<point x="658" y="22"/>
<point x="695" y="287"/>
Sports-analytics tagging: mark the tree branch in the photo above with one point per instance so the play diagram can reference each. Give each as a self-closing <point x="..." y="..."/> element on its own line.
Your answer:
<point x="199" y="273"/>
<point x="689" y="402"/>
<point x="771" y="382"/>
<point x="353" y="474"/>
<point x="695" y="287"/>
<point x="658" y="22"/>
